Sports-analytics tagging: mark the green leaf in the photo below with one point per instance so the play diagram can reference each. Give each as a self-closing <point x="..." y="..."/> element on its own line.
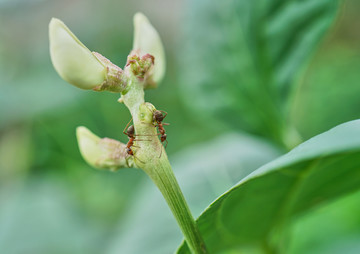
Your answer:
<point x="332" y="80"/>
<point x="243" y="57"/>
<point x="313" y="234"/>
<point x="321" y="169"/>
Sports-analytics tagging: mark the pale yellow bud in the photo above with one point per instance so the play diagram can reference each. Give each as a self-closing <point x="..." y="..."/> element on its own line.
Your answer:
<point x="74" y="62"/>
<point x="102" y="153"/>
<point x="147" y="41"/>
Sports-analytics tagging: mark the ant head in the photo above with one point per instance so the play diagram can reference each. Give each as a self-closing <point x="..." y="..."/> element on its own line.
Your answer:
<point x="130" y="131"/>
<point x="158" y="116"/>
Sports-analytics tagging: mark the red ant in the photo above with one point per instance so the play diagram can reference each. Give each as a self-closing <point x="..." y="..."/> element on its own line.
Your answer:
<point x="158" y="117"/>
<point x="130" y="132"/>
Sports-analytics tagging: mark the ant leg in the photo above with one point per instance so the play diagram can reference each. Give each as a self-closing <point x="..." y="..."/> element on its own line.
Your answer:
<point x="152" y="135"/>
<point x="142" y="140"/>
<point x="164" y="147"/>
<point x="124" y="131"/>
<point x="165" y="124"/>
<point x="146" y="135"/>
<point x="136" y="158"/>
<point x="139" y="140"/>
<point x="127" y="161"/>
<point x="161" y="151"/>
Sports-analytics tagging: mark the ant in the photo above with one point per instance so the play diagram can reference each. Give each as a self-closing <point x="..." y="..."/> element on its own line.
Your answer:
<point x="130" y="132"/>
<point x="158" y="117"/>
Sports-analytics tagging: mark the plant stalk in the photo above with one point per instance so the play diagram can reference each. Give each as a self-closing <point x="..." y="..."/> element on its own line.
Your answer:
<point x="163" y="176"/>
<point x="150" y="155"/>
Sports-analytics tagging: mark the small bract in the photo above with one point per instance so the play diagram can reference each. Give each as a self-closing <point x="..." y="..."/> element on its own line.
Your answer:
<point x="74" y="62"/>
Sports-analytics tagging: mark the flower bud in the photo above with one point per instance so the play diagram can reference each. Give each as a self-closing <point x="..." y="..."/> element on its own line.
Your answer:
<point x="74" y="62"/>
<point x="102" y="153"/>
<point x="147" y="41"/>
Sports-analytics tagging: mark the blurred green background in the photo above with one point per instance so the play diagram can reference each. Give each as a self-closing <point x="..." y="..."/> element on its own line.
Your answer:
<point x="51" y="201"/>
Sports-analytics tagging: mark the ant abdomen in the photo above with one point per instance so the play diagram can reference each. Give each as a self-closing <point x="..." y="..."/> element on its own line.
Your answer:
<point x="163" y="137"/>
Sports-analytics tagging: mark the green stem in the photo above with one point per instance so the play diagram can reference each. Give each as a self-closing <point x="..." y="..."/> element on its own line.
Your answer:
<point x="150" y="155"/>
<point x="163" y="176"/>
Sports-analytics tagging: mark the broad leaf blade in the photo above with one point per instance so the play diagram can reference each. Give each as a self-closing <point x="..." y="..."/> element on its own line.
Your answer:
<point x="333" y="228"/>
<point x="315" y="172"/>
<point x="242" y="57"/>
<point x="332" y="80"/>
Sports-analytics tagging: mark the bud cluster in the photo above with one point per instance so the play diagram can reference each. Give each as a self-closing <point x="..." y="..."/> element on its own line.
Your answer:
<point x="76" y="64"/>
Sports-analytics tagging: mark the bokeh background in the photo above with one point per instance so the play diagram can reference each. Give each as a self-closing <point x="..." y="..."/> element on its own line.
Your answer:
<point x="51" y="201"/>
